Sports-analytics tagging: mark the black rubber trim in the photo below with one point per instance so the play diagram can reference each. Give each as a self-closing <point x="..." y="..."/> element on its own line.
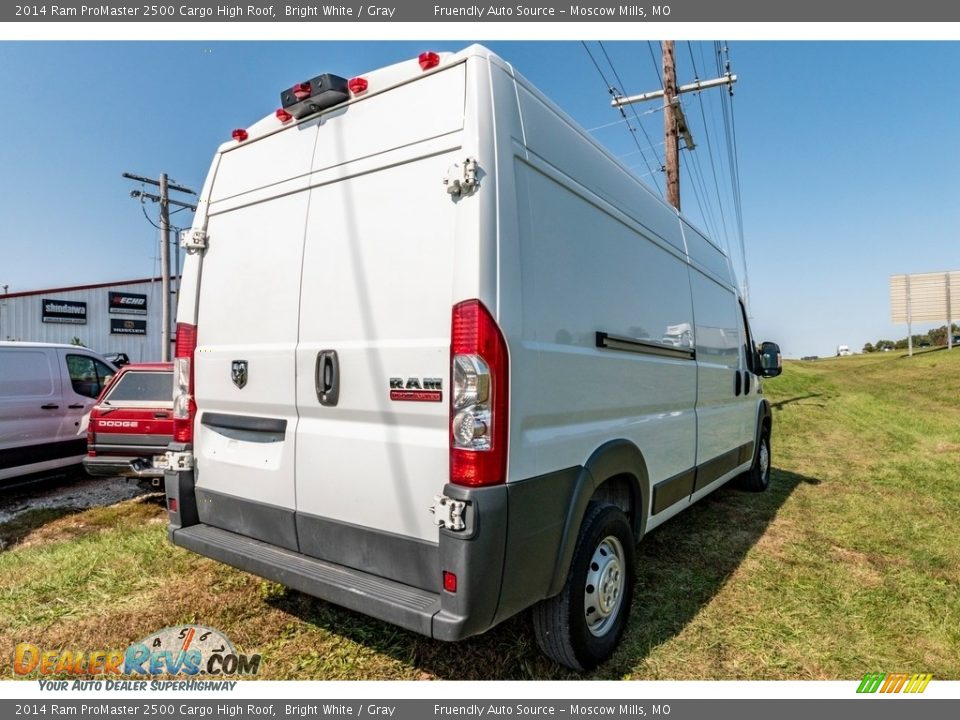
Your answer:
<point x="408" y="560"/>
<point x="673" y="490"/>
<point x="645" y="347"/>
<point x="720" y="466"/>
<point x="402" y="605"/>
<point x="215" y="421"/>
<point x="269" y="523"/>
<point x="31" y="454"/>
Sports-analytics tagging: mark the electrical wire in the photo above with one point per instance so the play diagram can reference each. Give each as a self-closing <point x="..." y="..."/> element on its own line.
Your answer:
<point x="633" y="108"/>
<point x="613" y="93"/>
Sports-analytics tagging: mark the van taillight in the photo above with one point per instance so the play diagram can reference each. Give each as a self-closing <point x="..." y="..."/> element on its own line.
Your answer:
<point x="184" y="406"/>
<point x="478" y="398"/>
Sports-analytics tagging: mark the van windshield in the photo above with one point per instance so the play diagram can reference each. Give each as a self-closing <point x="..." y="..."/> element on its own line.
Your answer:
<point x="154" y="388"/>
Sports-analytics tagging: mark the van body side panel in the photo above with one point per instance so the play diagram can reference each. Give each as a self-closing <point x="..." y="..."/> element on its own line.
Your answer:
<point x="586" y="271"/>
<point x="249" y="301"/>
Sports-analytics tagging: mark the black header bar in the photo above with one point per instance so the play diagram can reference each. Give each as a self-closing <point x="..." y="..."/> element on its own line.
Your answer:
<point x="293" y="11"/>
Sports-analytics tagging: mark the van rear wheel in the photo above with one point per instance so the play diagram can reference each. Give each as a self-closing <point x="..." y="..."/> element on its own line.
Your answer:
<point x="582" y="626"/>
<point x="757" y="478"/>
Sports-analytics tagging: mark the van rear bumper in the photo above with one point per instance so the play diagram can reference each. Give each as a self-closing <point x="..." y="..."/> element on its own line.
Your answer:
<point x="494" y="579"/>
<point x="408" y="607"/>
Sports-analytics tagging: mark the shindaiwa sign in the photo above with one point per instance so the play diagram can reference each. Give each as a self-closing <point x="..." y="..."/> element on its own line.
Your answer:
<point x="63" y="311"/>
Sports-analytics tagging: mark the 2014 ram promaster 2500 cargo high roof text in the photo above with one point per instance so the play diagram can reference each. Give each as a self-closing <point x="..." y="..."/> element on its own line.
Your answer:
<point x="452" y="398"/>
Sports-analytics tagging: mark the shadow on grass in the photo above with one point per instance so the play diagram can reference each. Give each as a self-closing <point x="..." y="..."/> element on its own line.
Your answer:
<point x="681" y="566"/>
<point x="778" y="405"/>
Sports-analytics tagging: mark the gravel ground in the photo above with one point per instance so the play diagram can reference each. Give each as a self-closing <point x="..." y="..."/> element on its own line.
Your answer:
<point x="84" y="492"/>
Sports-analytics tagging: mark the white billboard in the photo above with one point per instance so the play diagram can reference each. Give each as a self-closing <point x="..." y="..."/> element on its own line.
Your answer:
<point x="924" y="296"/>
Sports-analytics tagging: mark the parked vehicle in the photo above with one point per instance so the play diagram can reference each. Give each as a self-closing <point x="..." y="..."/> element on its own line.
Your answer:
<point x="118" y="359"/>
<point x="843" y="350"/>
<point x="132" y="423"/>
<point x="486" y="360"/>
<point x="45" y="392"/>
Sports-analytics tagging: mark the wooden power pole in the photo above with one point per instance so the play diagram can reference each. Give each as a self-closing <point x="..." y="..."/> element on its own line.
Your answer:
<point x="165" y="202"/>
<point x="671" y="134"/>
<point x="674" y="123"/>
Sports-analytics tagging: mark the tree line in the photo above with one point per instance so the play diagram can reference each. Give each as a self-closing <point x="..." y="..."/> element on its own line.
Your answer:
<point x="937" y="336"/>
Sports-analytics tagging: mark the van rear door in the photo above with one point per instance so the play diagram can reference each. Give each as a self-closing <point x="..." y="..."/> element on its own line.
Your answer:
<point x="244" y="362"/>
<point x="374" y="353"/>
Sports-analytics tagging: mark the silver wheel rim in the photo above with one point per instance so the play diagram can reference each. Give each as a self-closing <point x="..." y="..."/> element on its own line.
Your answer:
<point x="603" y="592"/>
<point x="764" y="459"/>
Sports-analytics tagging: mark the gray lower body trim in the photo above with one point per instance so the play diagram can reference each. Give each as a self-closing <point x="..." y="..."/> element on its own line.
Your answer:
<point x="678" y="488"/>
<point x="268" y="523"/>
<point x="394" y="602"/>
<point x="673" y="490"/>
<point x="714" y="469"/>
<point x="395" y="557"/>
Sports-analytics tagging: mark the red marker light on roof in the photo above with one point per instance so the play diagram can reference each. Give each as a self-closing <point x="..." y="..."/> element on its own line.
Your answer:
<point x="239" y="135"/>
<point x="357" y="85"/>
<point x="283" y="116"/>
<point x="428" y="60"/>
<point x="301" y="90"/>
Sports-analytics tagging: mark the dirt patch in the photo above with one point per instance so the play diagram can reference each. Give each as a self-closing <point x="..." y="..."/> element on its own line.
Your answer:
<point x="80" y="494"/>
<point x="25" y="509"/>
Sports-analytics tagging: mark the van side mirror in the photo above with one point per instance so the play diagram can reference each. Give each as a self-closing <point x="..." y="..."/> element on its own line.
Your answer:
<point x="770" y="365"/>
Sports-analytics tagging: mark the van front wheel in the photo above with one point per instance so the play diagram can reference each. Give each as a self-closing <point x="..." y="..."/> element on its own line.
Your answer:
<point x="581" y="627"/>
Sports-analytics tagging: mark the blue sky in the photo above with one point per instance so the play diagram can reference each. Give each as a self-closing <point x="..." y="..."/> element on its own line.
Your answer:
<point x="848" y="154"/>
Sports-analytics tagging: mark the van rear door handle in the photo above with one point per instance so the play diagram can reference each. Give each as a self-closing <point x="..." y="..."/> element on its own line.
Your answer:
<point x="75" y="407"/>
<point x="49" y="406"/>
<point x="327" y="377"/>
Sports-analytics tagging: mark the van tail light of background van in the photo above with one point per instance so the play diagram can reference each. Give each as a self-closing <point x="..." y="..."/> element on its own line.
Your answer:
<point x="184" y="406"/>
<point x="479" y="397"/>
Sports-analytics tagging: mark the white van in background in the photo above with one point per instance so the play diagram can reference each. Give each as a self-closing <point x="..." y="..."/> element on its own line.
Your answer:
<point x="45" y="391"/>
<point x="843" y="350"/>
<point x="441" y="358"/>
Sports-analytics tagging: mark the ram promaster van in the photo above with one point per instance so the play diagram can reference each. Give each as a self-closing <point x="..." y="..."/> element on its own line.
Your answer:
<point x="431" y="362"/>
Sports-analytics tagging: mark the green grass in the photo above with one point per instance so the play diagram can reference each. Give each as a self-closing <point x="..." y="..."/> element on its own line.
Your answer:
<point x="849" y="564"/>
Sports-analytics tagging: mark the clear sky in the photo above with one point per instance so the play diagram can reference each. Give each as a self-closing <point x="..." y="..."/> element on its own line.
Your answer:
<point x="848" y="155"/>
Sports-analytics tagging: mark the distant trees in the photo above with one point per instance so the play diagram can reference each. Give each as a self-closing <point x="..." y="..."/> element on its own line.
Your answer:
<point x="937" y="336"/>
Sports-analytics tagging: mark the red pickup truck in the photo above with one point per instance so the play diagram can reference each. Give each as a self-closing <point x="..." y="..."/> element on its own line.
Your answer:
<point x="131" y="422"/>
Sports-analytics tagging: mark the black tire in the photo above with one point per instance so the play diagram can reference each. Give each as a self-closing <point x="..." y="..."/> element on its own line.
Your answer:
<point x="757" y="478"/>
<point x="563" y="630"/>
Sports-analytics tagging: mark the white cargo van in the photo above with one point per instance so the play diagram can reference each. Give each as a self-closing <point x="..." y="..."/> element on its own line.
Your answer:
<point x="428" y="363"/>
<point x="45" y="391"/>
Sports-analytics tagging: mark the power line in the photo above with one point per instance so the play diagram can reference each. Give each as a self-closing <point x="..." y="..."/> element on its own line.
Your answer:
<point x="613" y="93"/>
<point x="632" y="108"/>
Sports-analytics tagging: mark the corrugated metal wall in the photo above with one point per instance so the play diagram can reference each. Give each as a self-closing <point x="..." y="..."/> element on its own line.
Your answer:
<point x="21" y="318"/>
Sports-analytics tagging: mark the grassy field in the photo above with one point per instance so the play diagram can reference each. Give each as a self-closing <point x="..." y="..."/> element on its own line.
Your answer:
<point x="850" y="563"/>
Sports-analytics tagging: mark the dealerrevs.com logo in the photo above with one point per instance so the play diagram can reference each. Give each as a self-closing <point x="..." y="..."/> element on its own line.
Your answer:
<point x="184" y="650"/>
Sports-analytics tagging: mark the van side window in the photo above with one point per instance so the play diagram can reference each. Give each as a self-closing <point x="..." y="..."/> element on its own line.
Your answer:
<point x="88" y="376"/>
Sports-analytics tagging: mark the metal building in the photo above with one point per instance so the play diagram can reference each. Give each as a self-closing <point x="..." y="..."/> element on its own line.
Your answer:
<point x="112" y="317"/>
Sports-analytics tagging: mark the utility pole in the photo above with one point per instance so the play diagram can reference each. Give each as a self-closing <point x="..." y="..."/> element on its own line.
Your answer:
<point x="671" y="135"/>
<point x="164" y="269"/>
<point x="674" y="122"/>
<point x="165" y="202"/>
